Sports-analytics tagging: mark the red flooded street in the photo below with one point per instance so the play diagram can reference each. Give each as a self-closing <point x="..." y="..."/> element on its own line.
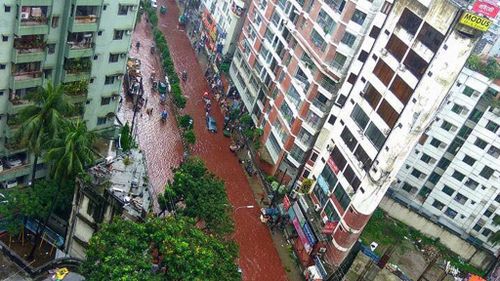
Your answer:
<point x="259" y="259"/>
<point x="160" y="141"/>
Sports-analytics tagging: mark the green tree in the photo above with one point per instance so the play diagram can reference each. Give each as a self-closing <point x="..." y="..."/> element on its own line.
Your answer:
<point x="122" y="250"/>
<point x="495" y="237"/>
<point x="42" y="120"/>
<point x="203" y="194"/>
<point x="72" y="151"/>
<point x="126" y="140"/>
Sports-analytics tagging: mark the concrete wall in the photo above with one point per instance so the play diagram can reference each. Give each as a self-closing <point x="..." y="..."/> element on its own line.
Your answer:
<point x="473" y="255"/>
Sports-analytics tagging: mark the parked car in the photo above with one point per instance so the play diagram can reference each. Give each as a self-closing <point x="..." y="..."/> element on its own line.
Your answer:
<point x="12" y="183"/>
<point x="154" y="4"/>
<point x="13" y="162"/>
<point x="211" y="124"/>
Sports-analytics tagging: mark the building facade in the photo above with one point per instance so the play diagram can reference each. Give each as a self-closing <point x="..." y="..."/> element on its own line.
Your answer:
<point x="397" y="82"/>
<point x="115" y="188"/>
<point x="452" y="173"/>
<point x="82" y="45"/>
<point x="290" y="58"/>
<point x="221" y="23"/>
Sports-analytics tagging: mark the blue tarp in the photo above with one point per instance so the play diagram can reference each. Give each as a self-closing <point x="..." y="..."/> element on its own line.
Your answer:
<point x="50" y="235"/>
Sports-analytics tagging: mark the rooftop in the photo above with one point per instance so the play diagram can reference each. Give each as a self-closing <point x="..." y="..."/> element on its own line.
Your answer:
<point x="124" y="177"/>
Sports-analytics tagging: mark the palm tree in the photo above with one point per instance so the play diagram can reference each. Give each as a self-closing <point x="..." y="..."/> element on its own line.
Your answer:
<point x="42" y="120"/>
<point x="72" y="152"/>
<point x="69" y="154"/>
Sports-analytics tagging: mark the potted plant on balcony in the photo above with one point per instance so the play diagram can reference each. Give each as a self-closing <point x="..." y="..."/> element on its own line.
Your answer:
<point x="76" y="88"/>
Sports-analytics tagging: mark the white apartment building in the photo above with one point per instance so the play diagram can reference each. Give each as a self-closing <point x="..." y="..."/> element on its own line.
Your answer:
<point x="451" y="175"/>
<point x="221" y="23"/>
<point x="398" y="81"/>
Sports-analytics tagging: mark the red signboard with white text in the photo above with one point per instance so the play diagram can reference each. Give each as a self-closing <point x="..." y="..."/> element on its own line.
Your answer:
<point x="487" y="8"/>
<point x="332" y="165"/>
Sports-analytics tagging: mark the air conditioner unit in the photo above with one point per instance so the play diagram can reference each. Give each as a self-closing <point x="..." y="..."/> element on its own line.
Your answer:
<point x="383" y="52"/>
<point x="128" y="32"/>
<point x="401" y="67"/>
<point x="322" y="250"/>
<point x="387" y="131"/>
<point x="475" y="94"/>
<point x="25" y="15"/>
<point x="122" y="55"/>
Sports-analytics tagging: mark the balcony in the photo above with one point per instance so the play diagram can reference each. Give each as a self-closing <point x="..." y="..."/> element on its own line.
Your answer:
<point x="79" y="45"/>
<point x="85" y="19"/>
<point x="17" y="102"/>
<point x="77" y="69"/>
<point x="33" y="20"/>
<point x="14" y="172"/>
<point x="28" y="79"/>
<point x="76" y="90"/>
<point x="28" y="49"/>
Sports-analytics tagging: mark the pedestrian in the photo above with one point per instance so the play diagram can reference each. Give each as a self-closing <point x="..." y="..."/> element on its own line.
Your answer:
<point x="145" y="102"/>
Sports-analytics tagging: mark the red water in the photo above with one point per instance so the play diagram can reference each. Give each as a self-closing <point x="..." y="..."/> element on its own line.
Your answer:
<point x="259" y="259"/>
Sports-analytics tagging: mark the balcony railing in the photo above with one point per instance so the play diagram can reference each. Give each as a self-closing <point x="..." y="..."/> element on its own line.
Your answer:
<point x="320" y="105"/>
<point x="26" y="79"/>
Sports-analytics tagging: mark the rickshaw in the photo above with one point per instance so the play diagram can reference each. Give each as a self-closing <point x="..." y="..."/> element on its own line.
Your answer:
<point x="163" y="10"/>
<point x="182" y="20"/>
<point x="162" y="88"/>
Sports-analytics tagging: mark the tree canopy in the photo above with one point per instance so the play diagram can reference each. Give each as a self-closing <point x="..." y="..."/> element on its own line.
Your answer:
<point x="126" y="250"/>
<point x="203" y="194"/>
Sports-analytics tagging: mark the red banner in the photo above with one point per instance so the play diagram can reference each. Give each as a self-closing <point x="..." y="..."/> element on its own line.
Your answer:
<point x="487" y="8"/>
<point x="329" y="227"/>
<point x="286" y="202"/>
<point x="332" y="165"/>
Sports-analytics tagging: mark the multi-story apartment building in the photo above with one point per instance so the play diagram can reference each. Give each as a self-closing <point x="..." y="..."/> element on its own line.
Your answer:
<point x="221" y="24"/>
<point x="290" y="57"/>
<point x="398" y="80"/>
<point x="451" y="175"/>
<point x="82" y="45"/>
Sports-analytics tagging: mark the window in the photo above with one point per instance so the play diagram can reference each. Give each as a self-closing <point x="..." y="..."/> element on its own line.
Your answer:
<point x="118" y="35"/>
<point x="388" y="114"/>
<point x="297" y="154"/>
<point x="396" y="47"/>
<point x="469" y="160"/>
<point x="325" y="21"/>
<point x="494" y="151"/>
<point x="480" y="143"/>
<point x="464" y="132"/>
<point x="51" y="48"/>
<point x="109" y="80"/>
<point x="55" y="22"/>
<point x="113" y="57"/>
<point x="409" y="188"/>
<point x="458" y="176"/>
<point x="497" y="198"/>
<point x="468" y="91"/>
<point x="105" y="101"/>
<point x="352" y="78"/>
<point x="372" y="96"/>
<point x="317" y="40"/>
<point x="409" y="21"/>
<point x="358" y="17"/>
<point x="486" y="232"/>
<point x="450" y="213"/>
<point x="348" y="138"/>
<point x="359" y="117"/>
<point x="339" y="159"/>
<point x="492" y="126"/>
<point x="460" y="198"/>
<point x="287" y="113"/>
<point x="446" y="125"/>
<point x="375" y="136"/>
<point x="438" y="205"/>
<point x="457" y="108"/>
<point x="415" y="64"/>
<point x="426" y="158"/>
<point x="348" y="39"/>
<point x="472" y="184"/>
<point x="477" y="227"/>
<point x="5" y="38"/>
<point x="383" y="72"/>
<point x="7" y="9"/>
<point x="339" y="61"/>
<point x="363" y="55"/>
<point x="448" y="190"/>
<point x="434" y="177"/>
<point x="122" y="10"/>
<point x="374" y="33"/>
<point x="488" y="213"/>
<point x="486" y="172"/>
<point x="435" y="142"/>
<point x="91" y="208"/>
<point x="363" y="157"/>
<point x="416" y="173"/>
<point x="430" y="37"/>
<point x="342" y="197"/>
<point x="401" y="90"/>
<point x="101" y="120"/>
<point x="293" y="96"/>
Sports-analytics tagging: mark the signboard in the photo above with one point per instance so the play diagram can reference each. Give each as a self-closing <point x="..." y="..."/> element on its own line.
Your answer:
<point x="286" y="202"/>
<point x="298" y="213"/>
<point x="475" y="21"/>
<point x="329" y="227"/>
<point x="300" y="232"/>
<point x="309" y="234"/>
<point x="332" y="165"/>
<point x="487" y="8"/>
